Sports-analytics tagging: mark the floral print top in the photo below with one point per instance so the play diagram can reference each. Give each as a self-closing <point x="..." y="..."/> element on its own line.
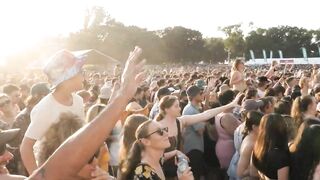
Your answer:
<point x="145" y="172"/>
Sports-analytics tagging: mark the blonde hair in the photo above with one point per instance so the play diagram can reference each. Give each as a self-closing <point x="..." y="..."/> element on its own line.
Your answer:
<point x="303" y="81"/>
<point x="67" y="125"/>
<point x="235" y="64"/>
<point x="94" y="111"/>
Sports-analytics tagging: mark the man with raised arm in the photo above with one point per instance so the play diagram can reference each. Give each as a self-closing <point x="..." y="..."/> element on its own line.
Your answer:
<point x="77" y="150"/>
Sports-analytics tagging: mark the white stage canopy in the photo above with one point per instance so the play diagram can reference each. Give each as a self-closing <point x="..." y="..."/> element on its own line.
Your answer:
<point x="314" y="60"/>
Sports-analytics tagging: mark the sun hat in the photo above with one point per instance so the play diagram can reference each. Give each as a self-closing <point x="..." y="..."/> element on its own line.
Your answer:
<point x="62" y="66"/>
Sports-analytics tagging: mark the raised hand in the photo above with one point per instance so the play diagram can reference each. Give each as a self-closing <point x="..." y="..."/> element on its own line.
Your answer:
<point x="132" y="74"/>
<point x="236" y="100"/>
<point x="211" y="83"/>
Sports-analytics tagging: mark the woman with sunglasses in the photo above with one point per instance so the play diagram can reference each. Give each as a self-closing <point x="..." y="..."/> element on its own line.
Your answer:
<point x="145" y="155"/>
<point x="170" y="117"/>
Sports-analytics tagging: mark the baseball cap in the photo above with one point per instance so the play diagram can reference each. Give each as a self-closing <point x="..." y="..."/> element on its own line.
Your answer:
<point x="62" y="66"/>
<point x="193" y="91"/>
<point x="6" y="136"/>
<point x="105" y="92"/>
<point x="163" y="92"/>
<point x="200" y="84"/>
<point x="40" y="89"/>
<point x="251" y="104"/>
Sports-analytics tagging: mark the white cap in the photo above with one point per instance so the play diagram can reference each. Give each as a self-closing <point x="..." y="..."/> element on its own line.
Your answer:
<point x="105" y="92"/>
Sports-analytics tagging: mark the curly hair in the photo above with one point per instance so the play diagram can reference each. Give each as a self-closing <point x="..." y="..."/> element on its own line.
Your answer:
<point x="67" y="125"/>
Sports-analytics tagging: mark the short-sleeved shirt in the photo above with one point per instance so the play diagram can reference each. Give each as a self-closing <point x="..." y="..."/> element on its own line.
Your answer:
<point x="145" y="172"/>
<point x="274" y="160"/>
<point x="193" y="140"/>
<point x="47" y="112"/>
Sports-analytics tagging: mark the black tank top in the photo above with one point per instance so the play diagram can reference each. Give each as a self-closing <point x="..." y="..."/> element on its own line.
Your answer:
<point x="169" y="167"/>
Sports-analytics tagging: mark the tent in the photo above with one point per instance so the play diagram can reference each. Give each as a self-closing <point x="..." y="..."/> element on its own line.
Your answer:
<point x="96" y="57"/>
<point x="92" y="56"/>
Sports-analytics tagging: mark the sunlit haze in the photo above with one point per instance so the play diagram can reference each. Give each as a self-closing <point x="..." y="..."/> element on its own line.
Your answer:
<point x="23" y="23"/>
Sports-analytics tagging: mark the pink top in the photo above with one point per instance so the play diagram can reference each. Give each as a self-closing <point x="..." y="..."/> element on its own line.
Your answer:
<point x="225" y="146"/>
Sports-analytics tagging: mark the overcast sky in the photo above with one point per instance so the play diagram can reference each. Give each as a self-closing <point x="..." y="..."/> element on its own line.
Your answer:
<point x="25" y="22"/>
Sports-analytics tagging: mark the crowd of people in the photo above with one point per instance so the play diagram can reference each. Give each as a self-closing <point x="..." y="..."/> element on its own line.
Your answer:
<point x="239" y="122"/>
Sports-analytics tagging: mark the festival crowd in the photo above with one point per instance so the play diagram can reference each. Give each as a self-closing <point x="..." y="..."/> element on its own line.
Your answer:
<point x="140" y="122"/>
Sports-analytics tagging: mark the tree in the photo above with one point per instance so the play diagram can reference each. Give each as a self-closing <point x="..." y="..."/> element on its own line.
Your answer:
<point x="235" y="40"/>
<point x="183" y="44"/>
<point x="215" y="50"/>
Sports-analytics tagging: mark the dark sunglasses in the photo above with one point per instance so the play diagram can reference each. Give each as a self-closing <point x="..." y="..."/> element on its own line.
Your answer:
<point x="159" y="131"/>
<point x="96" y="155"/>
<point x="6" y="102"/>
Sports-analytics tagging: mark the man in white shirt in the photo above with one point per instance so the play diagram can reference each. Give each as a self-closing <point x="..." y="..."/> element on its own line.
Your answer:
<point x="64" y="73"/>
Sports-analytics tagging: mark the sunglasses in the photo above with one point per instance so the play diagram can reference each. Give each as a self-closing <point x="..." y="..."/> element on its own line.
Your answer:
<point x="159" y="131"/>
<point x="96" y="155"/>
<point x="5" y="102"/>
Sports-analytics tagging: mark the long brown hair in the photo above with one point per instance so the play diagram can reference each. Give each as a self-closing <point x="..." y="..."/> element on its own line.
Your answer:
<point x="67" y="125"/>
<point x="272" y="134"/>
<point x="134" y="157"/>
<point x="300" y="105"/>
<point x="129" y="129"/>
<point x="165" y="103"/>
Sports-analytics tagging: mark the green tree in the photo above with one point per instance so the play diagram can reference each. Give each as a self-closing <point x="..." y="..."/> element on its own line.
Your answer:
<point x="183" y="44"/>
<point x="215" y="50"/>
<point x="235" y="40"/>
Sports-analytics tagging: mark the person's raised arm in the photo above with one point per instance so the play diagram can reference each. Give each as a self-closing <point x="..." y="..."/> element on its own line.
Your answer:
<point x="77" y="150"/>
<point x="188" y="120"/>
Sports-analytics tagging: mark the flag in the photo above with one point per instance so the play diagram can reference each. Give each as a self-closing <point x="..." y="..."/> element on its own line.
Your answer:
<point x="304" y="53"/>
<point x="252" y="55"/>
<point x="280" y="54"/>
<point x="264" y="55"/>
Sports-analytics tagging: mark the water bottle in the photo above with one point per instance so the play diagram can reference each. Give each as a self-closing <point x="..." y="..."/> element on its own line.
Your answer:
<point x="182" y="163"/>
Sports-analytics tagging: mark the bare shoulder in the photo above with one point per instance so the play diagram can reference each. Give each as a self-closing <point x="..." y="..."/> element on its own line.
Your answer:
<point x="247" y="145"/>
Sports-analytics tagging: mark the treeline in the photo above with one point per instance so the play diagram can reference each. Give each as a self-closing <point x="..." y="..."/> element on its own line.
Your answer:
<point x="179" y="44"/>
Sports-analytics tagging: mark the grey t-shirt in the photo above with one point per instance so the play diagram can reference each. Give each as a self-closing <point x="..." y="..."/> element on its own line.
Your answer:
<point x="192" y="139"/>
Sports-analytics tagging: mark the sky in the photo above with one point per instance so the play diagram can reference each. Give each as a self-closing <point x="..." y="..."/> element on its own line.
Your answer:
<point x="23" y="23"/>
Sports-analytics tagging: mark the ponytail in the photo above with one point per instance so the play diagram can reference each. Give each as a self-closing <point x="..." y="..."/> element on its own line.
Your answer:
<point x="252" y="118"/>
<point x="134" y="158"/>
<point x="160" y="116"/>
<point x="299" y="106"/>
